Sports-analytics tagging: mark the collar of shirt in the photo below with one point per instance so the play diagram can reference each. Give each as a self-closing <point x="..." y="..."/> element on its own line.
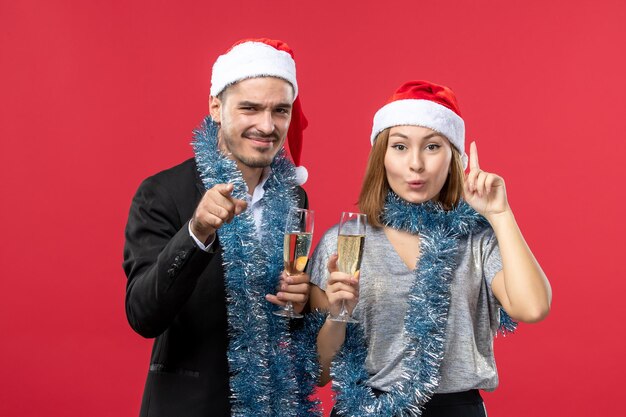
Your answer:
<point x="254" y="200"/>
<point x="259" y="190"/>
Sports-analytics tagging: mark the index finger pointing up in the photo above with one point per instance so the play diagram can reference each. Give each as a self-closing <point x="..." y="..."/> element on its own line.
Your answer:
<point x="473" y="162"/>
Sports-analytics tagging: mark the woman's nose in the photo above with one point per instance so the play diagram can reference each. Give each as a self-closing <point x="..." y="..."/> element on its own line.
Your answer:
<point x="415" y="162"/>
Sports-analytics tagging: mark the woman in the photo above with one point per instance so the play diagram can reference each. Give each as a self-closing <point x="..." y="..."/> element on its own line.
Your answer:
<point x="443" y="261"/>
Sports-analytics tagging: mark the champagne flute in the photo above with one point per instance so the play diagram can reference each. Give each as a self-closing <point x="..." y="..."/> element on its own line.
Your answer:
<point x="296" y="248"/>
<point x="350" y="243"/>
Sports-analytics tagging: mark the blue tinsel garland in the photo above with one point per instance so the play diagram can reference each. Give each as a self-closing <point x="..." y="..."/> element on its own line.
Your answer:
<point x="426" y="317"/>
<point x="271" y="374"/>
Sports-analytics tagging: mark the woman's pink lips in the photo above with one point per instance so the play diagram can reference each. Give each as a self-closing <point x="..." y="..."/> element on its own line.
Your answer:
<point x="416" y="185"/>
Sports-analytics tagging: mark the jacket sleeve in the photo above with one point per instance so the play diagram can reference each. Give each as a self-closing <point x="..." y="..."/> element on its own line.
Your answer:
<point x="303" y="199"/>
<point x="161" y="260"/>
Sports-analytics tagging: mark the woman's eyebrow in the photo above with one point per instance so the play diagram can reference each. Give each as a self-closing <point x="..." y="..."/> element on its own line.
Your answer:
<point x="429" y="136"/>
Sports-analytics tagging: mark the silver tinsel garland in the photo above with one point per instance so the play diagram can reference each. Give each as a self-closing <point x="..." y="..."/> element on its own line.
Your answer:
<point x="426" y="318"/>
<point x="271" y="374"/>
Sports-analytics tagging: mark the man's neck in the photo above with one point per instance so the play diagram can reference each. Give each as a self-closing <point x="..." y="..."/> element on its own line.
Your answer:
<point x="251" y="175"/>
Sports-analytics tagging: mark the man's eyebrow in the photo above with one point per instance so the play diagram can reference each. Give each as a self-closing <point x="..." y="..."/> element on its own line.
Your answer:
<point x="247" y="103"/>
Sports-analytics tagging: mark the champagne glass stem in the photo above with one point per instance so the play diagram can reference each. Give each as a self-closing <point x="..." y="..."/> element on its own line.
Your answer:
<point x="343" y="313"/>
<point x="289" y="309"/>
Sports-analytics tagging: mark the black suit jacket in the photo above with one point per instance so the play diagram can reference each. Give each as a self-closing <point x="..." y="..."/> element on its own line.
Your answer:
<point x="175" y="293"/>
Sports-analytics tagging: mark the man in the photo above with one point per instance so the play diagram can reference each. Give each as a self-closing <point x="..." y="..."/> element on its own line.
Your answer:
<point x="203" y="252"/>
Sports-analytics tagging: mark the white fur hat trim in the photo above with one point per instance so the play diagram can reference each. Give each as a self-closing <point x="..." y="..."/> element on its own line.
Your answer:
<point x="424" y="113"/>
<point x="250" y="60"/>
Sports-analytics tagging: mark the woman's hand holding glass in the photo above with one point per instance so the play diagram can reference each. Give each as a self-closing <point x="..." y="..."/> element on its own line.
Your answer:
<point x="350" y="244"/>
<point x="342" y="290"/>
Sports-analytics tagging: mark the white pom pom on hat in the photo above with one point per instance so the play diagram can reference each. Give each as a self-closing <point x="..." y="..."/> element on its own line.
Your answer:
<point x="302" y="174"/>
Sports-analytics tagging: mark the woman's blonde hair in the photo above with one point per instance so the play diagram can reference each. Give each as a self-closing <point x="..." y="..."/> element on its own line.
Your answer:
<point x="375" y="186"/>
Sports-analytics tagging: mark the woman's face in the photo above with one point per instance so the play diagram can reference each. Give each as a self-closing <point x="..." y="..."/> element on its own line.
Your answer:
<point x="417" y="162"/>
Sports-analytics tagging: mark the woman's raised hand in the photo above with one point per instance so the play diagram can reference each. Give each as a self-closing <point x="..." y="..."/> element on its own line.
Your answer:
<point x="484" y="191"/>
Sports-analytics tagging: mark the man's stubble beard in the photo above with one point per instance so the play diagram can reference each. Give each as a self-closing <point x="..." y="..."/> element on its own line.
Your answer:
<point x="261" y="162"/>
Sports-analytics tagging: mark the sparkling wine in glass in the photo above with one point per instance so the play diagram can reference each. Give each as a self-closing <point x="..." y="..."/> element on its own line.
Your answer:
<point x="350" y="243"/>
<point x="296" y="248"/>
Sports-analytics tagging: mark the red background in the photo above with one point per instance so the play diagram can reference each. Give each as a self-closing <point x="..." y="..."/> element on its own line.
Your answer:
<point x="95" y="96"/>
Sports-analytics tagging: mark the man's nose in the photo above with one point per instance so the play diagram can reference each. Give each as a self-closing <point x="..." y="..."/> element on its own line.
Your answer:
<point x="265" y="124"/>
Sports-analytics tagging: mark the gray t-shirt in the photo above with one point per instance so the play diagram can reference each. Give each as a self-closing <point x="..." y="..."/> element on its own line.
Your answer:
<point x="385" y="283"/>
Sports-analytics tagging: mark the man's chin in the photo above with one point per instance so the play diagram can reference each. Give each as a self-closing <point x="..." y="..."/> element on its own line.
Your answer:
<point x="257" y="162"/>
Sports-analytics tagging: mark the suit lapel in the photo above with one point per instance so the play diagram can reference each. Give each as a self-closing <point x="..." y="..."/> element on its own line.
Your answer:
<point x="198" y="181"/>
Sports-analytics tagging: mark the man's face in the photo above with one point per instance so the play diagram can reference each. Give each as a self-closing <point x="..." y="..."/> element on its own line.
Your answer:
<point x="254" y="116"/>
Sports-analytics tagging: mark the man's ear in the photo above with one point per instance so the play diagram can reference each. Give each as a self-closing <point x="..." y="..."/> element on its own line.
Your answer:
<point x="215" y="109"/>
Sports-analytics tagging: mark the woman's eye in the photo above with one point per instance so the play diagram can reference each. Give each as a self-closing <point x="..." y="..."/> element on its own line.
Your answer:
<point x="399" y="147"/>
<point x="432" y="147"/>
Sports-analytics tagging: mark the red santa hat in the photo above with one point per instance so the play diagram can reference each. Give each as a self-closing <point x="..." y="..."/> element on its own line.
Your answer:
<point x="251" y="58"/>
<point x="425" y="104"/>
